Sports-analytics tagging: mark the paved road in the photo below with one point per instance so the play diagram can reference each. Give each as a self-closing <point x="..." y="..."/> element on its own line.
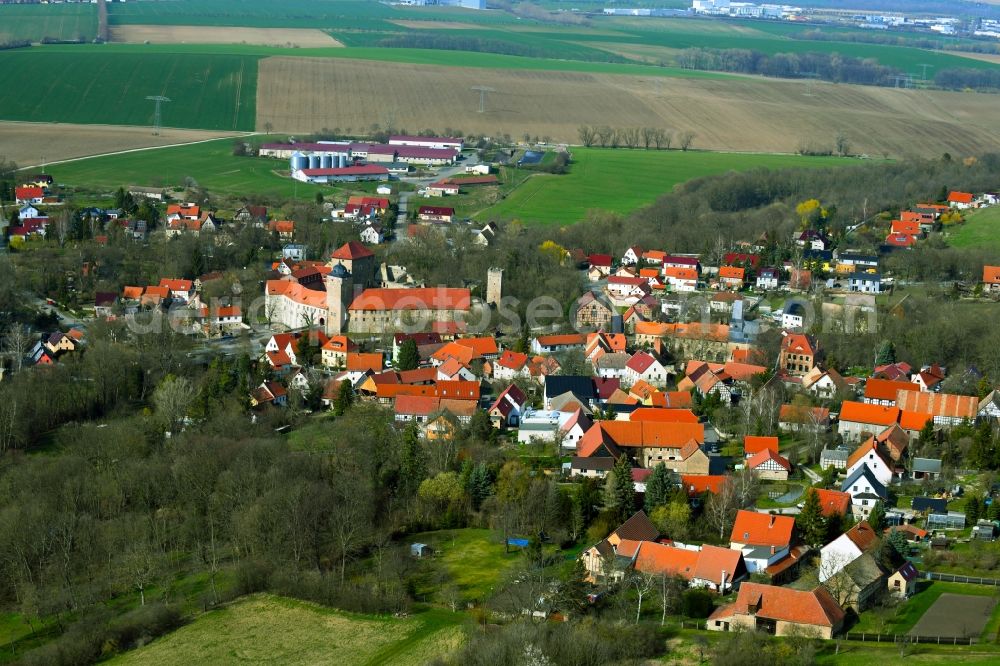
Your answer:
<point x="421" y="182"/>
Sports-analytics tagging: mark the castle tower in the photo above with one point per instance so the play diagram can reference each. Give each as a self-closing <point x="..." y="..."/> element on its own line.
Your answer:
<point x="339" y="291"/>
<point x="494" y="286"/>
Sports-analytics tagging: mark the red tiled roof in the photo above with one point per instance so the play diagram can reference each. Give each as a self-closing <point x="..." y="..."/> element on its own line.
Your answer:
<point x="816" y="608"/>
<point x="859" y="412"/>
<point x="798" y="343"/>
<point x="603" y="260"/>
<point x="436" y="210"/>
<point x="732" y="272"/>
<point x="939" y="404"/>
<point x="352" y="250"/>
<point x="762" y="529"/>
<point x="663" y="415"/>
<point x="862" y="535"/>
<point x="765" y="455"/>
<point x="960" y="197"/>
<point x="832" y="502"/>
<point x="886" y="389"/>
<point x="366" y="170"/>
<point x="512" y="360"/>
<point x="430" y="298"/>
<point x="754" y="445"/>
<point x="556" y="340"/>
<point x="991" y="274"/>
<point x="363" y="362"/>
<point x="696" y="484"/>
<point x="29" y="192"/>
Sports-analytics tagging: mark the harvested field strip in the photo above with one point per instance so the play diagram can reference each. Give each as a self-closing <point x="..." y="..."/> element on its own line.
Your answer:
<point x="184" y="34"/>
<point x="90" y="86"/>
<point x="32" y="144"/>
<point x="741" y="113"/>
<point x="37" y="22"/>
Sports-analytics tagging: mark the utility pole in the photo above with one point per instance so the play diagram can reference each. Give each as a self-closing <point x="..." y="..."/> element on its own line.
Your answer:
<point x="157" y="117"/>
<point x="924" y="66"/>
<point x="482" y="90"/>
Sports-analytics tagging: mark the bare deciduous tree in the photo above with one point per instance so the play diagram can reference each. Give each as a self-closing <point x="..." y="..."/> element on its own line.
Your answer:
<point x="16" y="342"/>
<point x="685" y="139"/>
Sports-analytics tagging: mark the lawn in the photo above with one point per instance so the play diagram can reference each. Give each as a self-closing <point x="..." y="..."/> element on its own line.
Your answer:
<point x="624" y="180"/>
<point x="211" y="164"/>
<point x="981" y="229"/>
<point x="37" y="22"/>
<point x="277" y="630"/>
<point x="471" y="559"/>
<point x="96" y="84"/>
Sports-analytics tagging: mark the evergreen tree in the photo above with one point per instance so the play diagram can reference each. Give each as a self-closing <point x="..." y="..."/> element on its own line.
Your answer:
<point x="973" y="509"/>
<point x="481" y="428"/>
<point x="899" y="543"/>
<point x="658" y="488"/>
<point x="810" y="521"/>
<point x="886" y="353"/>
<point x="877" y="517"/>
<point x="480" y="485"/>
<point x="409" y="357"/>
<point x="412" y="462"/>
<point x="345" y="398"/>
<point x="620" y="490"/>
<point x="523" y="343"/>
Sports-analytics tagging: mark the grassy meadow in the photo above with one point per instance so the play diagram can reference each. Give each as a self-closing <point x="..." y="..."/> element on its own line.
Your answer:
<point x="211" y="164"/>
<point x="472" y="561"/>
<point x="624" y="180"/>
<point x="89" y="84"/>
<point x="37" y="22"/>
<point x="981" y="230"/>
<point x="276" y="630"/>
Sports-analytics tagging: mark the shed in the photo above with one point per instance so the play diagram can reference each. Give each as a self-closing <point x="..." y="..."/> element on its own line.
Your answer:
<point x="926" y="468"/>
<point x="929" y="504"/>
<point x="421" y="550"/>
<point x="984" y="530"/>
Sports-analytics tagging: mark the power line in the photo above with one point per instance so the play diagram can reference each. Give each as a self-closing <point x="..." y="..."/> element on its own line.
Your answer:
<point x="157" y="117"/>
<point x="482" y="96"/>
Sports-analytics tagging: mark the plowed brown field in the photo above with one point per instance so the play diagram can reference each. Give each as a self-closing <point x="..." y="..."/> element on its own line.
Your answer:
<point x="748" y="114"/>
<point x="31" y="144"/>
<point x="195" y="34"/>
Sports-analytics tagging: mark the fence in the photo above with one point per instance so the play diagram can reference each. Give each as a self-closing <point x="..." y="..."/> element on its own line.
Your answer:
<point x="952" y="578"/>
<point x="904" y="638"/>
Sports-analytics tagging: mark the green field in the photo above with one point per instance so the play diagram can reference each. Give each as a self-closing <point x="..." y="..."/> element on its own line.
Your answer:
<point x="624" y="180"/>
<point x="906" y="615"/>
<point x="980" y="230"/>
<point x="89" y="84"/>
<point x="37" y="22"/>
<point x="277" y="630"/>
<point x="211" y="164"/>
<point x="472" y="560"/>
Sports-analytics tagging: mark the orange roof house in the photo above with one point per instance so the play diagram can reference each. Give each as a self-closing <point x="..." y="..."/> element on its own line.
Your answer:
<point x="907" y="227"/>
<point x="883" y="391"/>
<point x="712" y="565"/>
<point x="762" y="529"/>
<point x="754" y="445"/>
<point x="832" y="502"/>
<point x="786" y="609"/>
<point x="351" y="251"/>
<point x="944" y="407"/>
<point x="663" y="415"/>
<point x="428" y="298"/>
<point x="696" y="484"/>
<point x="960" y="198"/>
<point x="364" y="362"/>
<point x="991" y="276"/>
<point x="732" y="273"/>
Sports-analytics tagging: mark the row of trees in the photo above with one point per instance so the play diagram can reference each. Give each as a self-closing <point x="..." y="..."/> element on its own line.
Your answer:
<point x="825" y="66"/>
<point x="634" y="137"/>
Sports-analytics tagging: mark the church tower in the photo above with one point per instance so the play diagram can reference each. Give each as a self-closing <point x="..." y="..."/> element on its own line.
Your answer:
<point x="494" y="286"/>
<point x="339" y="291"/>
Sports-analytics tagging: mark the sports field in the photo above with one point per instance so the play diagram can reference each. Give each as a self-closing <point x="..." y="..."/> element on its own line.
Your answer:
<point x="624" y="180"/>
<point x="71" y="22"/>
<point x="212" y="165"/>
<point x="89" y="85"/>
<point x="980" y="230"/>
<point x="276" y="630"/>
<point x="35" y="144"/>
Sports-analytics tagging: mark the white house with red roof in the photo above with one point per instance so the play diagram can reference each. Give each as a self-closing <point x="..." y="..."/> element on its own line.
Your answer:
<point x="763" y="538"/>
<point x="510" y="366"/>
<point x="505" y="412"/>
<point x="960" y="200"/>
<point x="769" y="465"/>
<point x="632" y="256"/>
<point x="868" y="455"/>
<point x="645" y="367"/>
<point x="29" y="194"/>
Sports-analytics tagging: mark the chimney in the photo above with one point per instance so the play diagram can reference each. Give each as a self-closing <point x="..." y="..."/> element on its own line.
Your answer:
<point x="771" y="522"/>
